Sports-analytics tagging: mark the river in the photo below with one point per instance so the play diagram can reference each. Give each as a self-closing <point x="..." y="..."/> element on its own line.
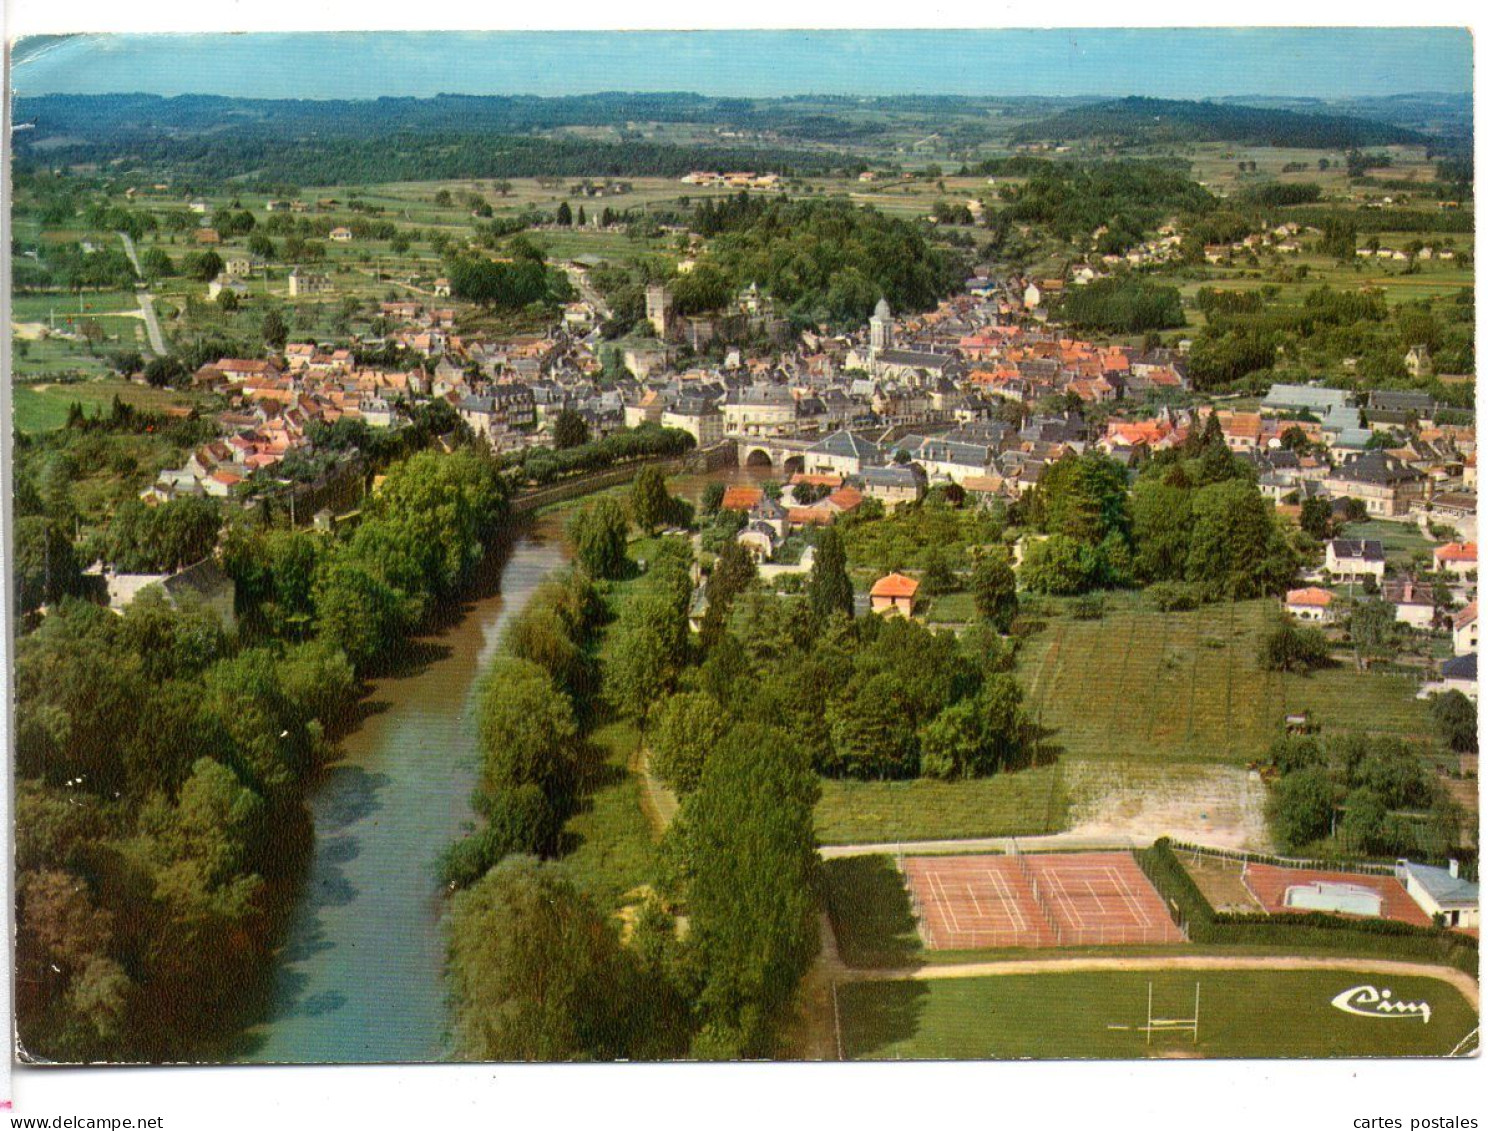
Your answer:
<point x="361" y="974"/>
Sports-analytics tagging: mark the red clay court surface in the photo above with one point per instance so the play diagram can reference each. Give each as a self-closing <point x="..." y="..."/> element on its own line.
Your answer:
<point x="1057" y="899"/>
<point x="1269" y="884"/>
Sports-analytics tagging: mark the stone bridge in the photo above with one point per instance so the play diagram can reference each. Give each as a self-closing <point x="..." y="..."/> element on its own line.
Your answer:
<point x="784" y="453"/>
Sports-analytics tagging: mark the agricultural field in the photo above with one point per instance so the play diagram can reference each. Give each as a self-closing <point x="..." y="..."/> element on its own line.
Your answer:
<point x="1139" y="686"/>
<point x="1101" y="1015"/>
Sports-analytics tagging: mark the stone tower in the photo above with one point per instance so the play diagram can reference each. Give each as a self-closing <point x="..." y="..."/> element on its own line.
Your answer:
<point x="659" y="309"/>
<point x="880" y="329"/>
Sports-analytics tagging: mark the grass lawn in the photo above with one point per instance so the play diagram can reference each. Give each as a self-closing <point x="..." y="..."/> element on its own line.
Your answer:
<point x="1024" y="803"/>
<point x="1400" y="539"/>
<point x="951" y="608"/>
<point x="1242" y="1013"/>
<point x="612" y="846"/>
<point x="1142" y="686"/>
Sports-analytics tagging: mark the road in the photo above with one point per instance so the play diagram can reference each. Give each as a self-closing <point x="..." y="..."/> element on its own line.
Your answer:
<point x="146" y="301"/>
<point x="1056" y="842"/>
<point x="580" y="279"/>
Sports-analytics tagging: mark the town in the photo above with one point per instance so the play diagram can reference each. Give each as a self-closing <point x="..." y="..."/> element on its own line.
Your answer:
<point x="1008" y="551"/>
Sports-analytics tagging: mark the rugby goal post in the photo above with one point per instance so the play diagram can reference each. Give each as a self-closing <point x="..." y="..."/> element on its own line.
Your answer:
<point x="1172" y="1024"/>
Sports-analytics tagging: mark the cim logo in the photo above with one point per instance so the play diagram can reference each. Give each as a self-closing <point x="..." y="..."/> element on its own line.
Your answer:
<point x="1366" y="1001"/>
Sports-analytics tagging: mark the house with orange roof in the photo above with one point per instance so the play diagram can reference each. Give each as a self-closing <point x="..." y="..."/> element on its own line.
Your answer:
<point x="1460" y="558"/>
<point x="741" y="498"/>
<point x="1311" y="604"/>
<point x="893" y="595"/>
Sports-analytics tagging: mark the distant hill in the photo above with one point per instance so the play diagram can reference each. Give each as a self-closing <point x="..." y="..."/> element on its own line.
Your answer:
<point x="1157" y="120"/>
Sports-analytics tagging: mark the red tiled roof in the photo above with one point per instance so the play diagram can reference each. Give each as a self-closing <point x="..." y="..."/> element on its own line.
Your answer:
<point x="1311" y="597"/>
<point x="741" y="498"/>
<point x="895" y="585"/>
<point x="1457" y="552"/>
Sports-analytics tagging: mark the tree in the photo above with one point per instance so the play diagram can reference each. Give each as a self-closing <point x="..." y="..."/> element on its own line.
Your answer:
<point x="1083" y="497"/>
<point x="1061" y="566"/>
<point x="155" y="263"/>
<point x="688" y="726"/>
<point x="1456" y="719"/>
<point x="1373" y="631"/>
<point x="873" y="729"/>
<point x="713" y="497"/>
<point x="994" y="589"/>
<point x="733" y="573"/>
<point x="1162" y="524"/>
<point x="1365" y="822"/>
<point x="569" y="430"/>
<point x="1300" y="808"/>
<point x="829" y="590"/>
<point x="273" y="329"/>
<point x="539" y="973"/>
<point x="1290" y="647"/>
<point x="564" y="215"/>
<point x="650" y="505"/>
<point x="1317" y="518"/>
<point x="44" y="566"/>
<point x="650" y="648"/>
<point x="527" y="731"/>
<point x="598" y="534"/>
<point x="746" y="837"/>
<point x="938" y="577"/>
<point x="203" y="266"/>
<point x="1237" y="550"/>
<point x="357" y="611"/>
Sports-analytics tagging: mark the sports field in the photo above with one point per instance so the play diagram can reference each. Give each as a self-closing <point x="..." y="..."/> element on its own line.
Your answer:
<point x="1100" y="1015"/>
<point x="1051" y="900"/>
<point x="1144" y="686"/>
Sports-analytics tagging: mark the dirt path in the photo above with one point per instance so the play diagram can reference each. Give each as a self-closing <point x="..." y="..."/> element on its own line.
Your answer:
<point x="1058" y="841"/>
<point x="1466" y="984"/>
<point x="659" y="802"/>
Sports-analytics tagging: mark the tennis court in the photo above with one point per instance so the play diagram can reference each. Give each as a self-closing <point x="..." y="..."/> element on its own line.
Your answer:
<point x="1051" y="900"/>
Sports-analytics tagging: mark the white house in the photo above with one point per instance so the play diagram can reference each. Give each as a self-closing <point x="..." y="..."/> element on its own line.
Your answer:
<point x="1465" y="630"/>
<point x="1355" y="558"/>
<point x="1441" y="892"/>
<point x="1311" y="604"/>
<point x="1460" y="558"/>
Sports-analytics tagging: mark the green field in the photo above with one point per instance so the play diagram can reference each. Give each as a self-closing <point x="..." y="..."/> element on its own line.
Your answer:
<point x="43" y="406"/>
<point x="1139" y="686"/>
<point x="1242" y="1013"/>
<point x="1023" y="803"/>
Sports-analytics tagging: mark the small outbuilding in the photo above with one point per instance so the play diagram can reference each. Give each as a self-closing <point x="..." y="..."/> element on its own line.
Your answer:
<point x="894" y="595"/>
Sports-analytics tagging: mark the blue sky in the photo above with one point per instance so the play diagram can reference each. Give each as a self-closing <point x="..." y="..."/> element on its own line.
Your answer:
<point x="1176" y="63"/>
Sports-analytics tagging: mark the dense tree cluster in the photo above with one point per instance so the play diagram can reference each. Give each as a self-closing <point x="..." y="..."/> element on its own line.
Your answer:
<point x="1125" y="198"/>
<point x="1377" y="794"/>
<point x="541" y="466"/>
<point x="158" y="822"/>
<point x="822" y="260"/>
<point x="420" y="538"/>
<point x="1122" y="305"/>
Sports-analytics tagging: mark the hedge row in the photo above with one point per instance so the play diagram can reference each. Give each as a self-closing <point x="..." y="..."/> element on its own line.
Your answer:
<point x="1383" y="937"/>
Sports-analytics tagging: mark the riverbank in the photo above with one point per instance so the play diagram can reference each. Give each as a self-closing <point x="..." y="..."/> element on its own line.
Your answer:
<point x="360" y="974"/>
